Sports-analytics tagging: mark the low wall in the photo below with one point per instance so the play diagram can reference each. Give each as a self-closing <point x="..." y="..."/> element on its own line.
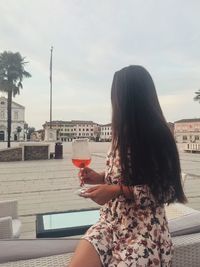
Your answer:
<point x="11" y="154"/>
<point x="36" y="152"/>
<point x="25" y="152"/>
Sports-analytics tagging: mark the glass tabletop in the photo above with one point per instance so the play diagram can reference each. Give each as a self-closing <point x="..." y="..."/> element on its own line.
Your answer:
<point x="70" y="219"/>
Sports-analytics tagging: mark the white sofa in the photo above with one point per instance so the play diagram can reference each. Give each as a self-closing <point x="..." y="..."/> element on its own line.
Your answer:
<point x="57" y="252"/>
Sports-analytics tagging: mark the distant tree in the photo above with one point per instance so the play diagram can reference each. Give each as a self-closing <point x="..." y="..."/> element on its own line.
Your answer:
<point x="25" y="130"/>
<point x="197" y="97"/>
<point x="25" y="126"/>
<point x="19" y="129"/>
<point x="12" y="73"/>
<point x="29" y="132"/>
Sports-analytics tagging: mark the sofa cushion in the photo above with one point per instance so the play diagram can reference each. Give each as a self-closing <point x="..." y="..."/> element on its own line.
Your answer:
<point x="19" y="249"/>
<point x="184" y="225"/>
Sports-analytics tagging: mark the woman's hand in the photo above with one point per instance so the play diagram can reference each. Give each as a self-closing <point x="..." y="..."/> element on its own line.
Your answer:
<point x="101" y="194"/>
<point x="89" y="176"/>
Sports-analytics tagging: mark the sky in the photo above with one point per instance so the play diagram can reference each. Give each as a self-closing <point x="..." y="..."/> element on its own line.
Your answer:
<point x="91" y="40"/>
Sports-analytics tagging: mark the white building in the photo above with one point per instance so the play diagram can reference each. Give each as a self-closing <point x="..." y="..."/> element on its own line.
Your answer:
<point x="106" y="132"/>
<point x="68" y="130"/>
<point x="187" y="130"/>
<point x="18" y="112"/>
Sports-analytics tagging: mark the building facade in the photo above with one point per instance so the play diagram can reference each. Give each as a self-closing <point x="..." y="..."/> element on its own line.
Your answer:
<point x="17" y="125"/>
<point x="187" y="131"/>
<point x="69" y="130"/>
<point x="106" y="132"/>
<point x="171" y="127"/>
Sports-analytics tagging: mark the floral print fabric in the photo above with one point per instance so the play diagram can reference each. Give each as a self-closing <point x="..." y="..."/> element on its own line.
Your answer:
<point x="131" y="232"/>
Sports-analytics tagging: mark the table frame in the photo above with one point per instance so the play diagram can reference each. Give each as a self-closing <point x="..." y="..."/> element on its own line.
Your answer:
<point x="60" y="232"/>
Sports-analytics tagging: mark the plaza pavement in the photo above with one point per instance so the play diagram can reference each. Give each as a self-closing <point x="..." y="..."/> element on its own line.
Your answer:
<point x="50" y="185"/>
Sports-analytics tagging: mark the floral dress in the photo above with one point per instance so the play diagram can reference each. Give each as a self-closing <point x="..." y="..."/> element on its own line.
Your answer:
<point x="131" y="232"/>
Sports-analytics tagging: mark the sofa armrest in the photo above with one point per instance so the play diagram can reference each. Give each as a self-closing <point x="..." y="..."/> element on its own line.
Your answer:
<point x="186" y="250"/>
<point x="25" y="249"/>
<point x="187" y="224"/>
<point x="6" y="230"/>
<point x="9" y="208"/>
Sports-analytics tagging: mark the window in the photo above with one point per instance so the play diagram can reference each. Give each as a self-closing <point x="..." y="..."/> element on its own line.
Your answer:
<point x="2" y="115"/>
<point x="16" y="115"/>
<point x="196" y="137"/>
<point x="185" y="137"/>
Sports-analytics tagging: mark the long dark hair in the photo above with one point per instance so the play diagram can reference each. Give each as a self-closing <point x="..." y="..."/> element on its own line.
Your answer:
<point x="141" y="135"/>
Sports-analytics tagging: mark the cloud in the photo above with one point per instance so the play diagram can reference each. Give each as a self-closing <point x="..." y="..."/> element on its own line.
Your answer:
<point x="179" y="105"/>
<point x="93" y="39"/>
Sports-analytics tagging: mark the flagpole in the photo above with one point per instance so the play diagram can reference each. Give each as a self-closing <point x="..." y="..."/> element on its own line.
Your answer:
<point x="51" y="87"/>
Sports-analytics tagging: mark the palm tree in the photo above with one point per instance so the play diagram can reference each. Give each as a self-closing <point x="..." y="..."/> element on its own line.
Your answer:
<point x="197" y="97"/>
<point x="12" y="73"/>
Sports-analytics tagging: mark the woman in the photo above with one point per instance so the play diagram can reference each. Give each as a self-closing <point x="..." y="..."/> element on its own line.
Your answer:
<point x="142" y="174"/>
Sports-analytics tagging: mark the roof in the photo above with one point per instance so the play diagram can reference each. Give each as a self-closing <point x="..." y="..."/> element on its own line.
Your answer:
<point x="188" y="120"/>
<point x="5" y="99"/>
<point x="103" y="125"/>
<point x="80" y="122"/>
<point x="54" y="122"/>
<point x="70" y="122"/>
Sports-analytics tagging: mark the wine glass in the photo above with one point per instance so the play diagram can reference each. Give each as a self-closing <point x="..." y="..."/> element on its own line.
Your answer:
<point x="81" y="156"/>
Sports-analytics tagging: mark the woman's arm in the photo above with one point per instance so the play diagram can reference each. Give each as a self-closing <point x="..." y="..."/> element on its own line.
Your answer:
<point x="126" y="191"/>
<point x="89" y="176"/>
<point x="101" y="194"/>
<point x="102" y="177"/>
